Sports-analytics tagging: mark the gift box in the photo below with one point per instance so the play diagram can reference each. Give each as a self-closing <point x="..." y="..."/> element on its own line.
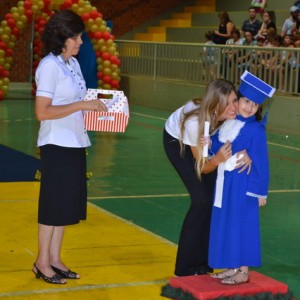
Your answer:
<point x="117" y="116"/>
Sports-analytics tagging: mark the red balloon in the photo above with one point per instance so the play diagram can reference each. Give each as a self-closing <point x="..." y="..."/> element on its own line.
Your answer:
<point x="107" y="79"/>
<point x="27" y="4"/>
<point x="1" y="95"/>
<point x="98" y="35"/>
<point x="3" y="45"/>
<point x="9" y="52"/>
<point x="98" y="53"/>
<point x="106" y="35"/>
<point x="105" y="56"/>
<point x="94" y="14"/>
<point x="11" y="23"/>
<point x="15" y="31"/>
<point x="29" y="14"/>
<point x="8" y="16"/>
<point x="5" y="73"/>
<point x="99" y="75"/>
<point x="115" y="84"/>
<point x="114" y="60"/>
<point x="85" y="16"/>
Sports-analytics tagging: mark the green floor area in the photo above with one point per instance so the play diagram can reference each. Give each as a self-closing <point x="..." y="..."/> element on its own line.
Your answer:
<point x="132" y="178"/>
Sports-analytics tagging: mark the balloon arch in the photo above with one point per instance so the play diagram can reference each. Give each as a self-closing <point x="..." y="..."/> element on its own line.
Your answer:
<point x="39" y="11"/>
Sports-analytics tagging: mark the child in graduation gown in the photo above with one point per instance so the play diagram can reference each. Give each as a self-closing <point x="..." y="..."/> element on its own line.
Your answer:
<point x="235" y="236"/>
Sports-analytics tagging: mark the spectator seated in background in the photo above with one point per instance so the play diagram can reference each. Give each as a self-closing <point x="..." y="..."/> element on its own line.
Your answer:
<point x="210" y="55"/>
<point x="252" y="24"/>
<point x="266" y="24"/>
<point x="247" y="56"/>
<point x="289" y="22"/>
<point x="296" y="26"/>
<point x="225" y="29"/>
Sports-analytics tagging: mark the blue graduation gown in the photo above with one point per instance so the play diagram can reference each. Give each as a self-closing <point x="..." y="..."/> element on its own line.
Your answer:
<point x="235" y="234"/>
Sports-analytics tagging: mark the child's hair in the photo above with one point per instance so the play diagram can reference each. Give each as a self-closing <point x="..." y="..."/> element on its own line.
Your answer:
<point x="209" y="35"/>
<point x="258" y="114"/>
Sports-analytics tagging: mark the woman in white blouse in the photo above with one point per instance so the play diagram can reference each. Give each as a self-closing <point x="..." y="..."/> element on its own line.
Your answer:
<point x="62" y="140"/>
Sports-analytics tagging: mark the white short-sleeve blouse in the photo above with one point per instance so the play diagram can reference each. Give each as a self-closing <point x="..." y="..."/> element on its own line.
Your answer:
<point x="63" y="83"/>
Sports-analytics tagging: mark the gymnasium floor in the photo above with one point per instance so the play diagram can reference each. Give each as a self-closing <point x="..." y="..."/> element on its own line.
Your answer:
<point x="126" y="249"/>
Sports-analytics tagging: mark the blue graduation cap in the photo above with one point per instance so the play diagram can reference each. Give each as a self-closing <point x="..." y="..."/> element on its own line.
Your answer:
<point x="254" y="88"/>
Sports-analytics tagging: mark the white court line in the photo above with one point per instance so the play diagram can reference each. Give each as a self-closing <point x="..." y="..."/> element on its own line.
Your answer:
<point x="270" y="143"/>
<point x="172" y="195"/>
<point x="85" y="288"/>
<point x="148" y="116"/>
<point x="141" y="196"/>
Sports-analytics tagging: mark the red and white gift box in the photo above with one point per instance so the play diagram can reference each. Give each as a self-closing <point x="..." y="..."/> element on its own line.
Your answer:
<point x="117" y="116"/>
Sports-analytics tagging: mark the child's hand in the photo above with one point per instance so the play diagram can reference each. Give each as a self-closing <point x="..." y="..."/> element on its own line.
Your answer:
<point x="262" y="201"/>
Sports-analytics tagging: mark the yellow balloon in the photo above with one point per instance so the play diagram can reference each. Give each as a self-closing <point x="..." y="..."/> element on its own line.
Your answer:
<point x="80" y="11"/>
<point x="106" y="86"/>
<point x="107" y="71"/>
<point x="7" y="30"/>
<point x="6" y="80"/>
<point x="13" y="9"/>
<point x="103" y="49"/>
<point x="7" y="66"/>
<point x="35" y="9"/>
<point x="5" y="38"/>
<point x="101" y="42"/>
<point x="114" y="67"/>
<point x="5" y="89"/>
<point x="40" y="5"/>
<point x="94" y="28"/>
<point x="109" y="42"/>
<point x="98" y="21"/>
<point x="106" y="64"/>
<point x="115" y="75"/>
<point x="2" y="53"/>
<point x="23" y="19"/>
<point x="21" y="10"/>
<point x="11" y="44"/>
<point x="112" y="50"/>
<point x="102" y="28"/>
<point x="20" y="25"/>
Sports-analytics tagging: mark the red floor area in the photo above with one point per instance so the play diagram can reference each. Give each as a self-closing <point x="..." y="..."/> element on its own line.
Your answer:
<point x="205" y="288"/>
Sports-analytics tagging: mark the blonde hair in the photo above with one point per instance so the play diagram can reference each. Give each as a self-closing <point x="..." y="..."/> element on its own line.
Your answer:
<point x="212" y="104"/>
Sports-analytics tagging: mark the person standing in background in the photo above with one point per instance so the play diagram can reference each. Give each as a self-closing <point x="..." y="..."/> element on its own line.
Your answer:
<point x="259" y="5"/>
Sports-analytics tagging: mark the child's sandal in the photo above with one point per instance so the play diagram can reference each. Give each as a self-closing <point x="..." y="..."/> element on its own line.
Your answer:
<point x="224" y="274"/>
<point x="239" y="278"/>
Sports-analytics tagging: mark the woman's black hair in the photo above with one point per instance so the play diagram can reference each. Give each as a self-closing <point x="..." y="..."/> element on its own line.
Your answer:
<point x="258" y="114"/>
<point x="62" y="25"/>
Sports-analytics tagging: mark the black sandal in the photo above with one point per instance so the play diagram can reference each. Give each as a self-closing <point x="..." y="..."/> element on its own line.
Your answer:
<point x="66" y="274"/>
<point x="56" y="278"/>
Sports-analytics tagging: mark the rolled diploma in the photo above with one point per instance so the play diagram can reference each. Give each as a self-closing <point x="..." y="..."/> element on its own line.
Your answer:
<point x="206" y="133"/>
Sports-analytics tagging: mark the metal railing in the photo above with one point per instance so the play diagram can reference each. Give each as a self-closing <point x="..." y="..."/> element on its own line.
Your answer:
<point x="200" y="63"/>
